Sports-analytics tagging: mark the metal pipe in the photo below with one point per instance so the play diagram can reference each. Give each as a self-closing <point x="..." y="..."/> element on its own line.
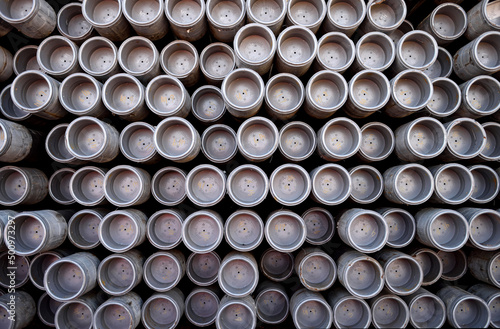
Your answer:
<point x="71" y="277"/>
<point x="491" y="296"/>
<point x="218" y="143"/>
<point x="201" y="306"/>
<point x="98" y="57"/>
<point x="389" y="311"/>
<point x="316" y="270"/>
<point x="126" y="186"/>
<point x="482" y="18"/>
<point x="136" y="143"/>
<point x="290" y="184"/>
<point x="410" y="184"/>
<point x="453" y="183"/>
<point x="446" y="98"/>
<point x="443" y="229"/>
<point x="483" y="223"/>
<point x="454" y="264"/>
<point x="257" y="139"/>
<point x="309" y="14"/>
<point x="164" y="229"/>
<point x="442" y="67"/>
<point x="285" y="231"/>
<point x="479" y="96"/>
<point x="275" y="265"/>
<point x="268" y="13"/>
<point x="234" y="312"/>
<point x="297" y="141"/>
<point x="17" y="141"/>
<point x="118" y="274"/>
<point x="58" y="57"/>
<point x="383" y="16"/>
<point x="486" y="184"/>
<point x="401" y="226"/>
<point x="338" y="139"/>
<point x="272" y="303"/>
<point x="243" y="92"/>
<point x="374" y="51"/>
<point x="168" y="186"/>
<point x="297" y="48"/>
<point x="480" y="56"/>
<point x="34" y="19"/>
<point x="284" y="96"/>
<point x="81" y="94"/>
<point x="431" y="265"/>
<point x="86" y="186"/>
<point x="207" y="104"/>
<point x="217" y="60"/>
<point x="349" y="311"/>
<point x="310" y="310"/>
<point x="163" y="310"/>
<point x="107" y="18"/>
<point x="254" y="47"/>
<point x="9" y="110"/>
<point x="225" y="18"/>
<point x="344" y="16"/>
<point x="466" y="139"/>
<point x="124" y="95"/>
<point x="369" y="91"/>
<point x="25" y="309"/>
<point x="146" y="18"/>
<point x="446" y="23"/>
<point x="238" y="274"/>
<point x="25" y="59"/>
<point x="331" y="184"/>
<point x="483" y="265"/>
<point x="203" y="231"/>
<point x="203" y="268"/>
<point x="116" y="311"/>
<point x="83" y="228"/>
<point x="22" y="186"/>
<point x="244" y="230"/>
<point x="59" y="186"/>
<point x="72" y="25"/>
<point x="247" y="185"/>
<point x="205" y="185"/>
<point x="139" y="57"/>
<point x="320" y="225"/>
<point x="403" y="274"/>
<point x="187" y="19"/>
<point x="336" y="51"/>
<point x="180" y="60"/>
<point x="177" y="140"/>
<point x="326" y="92"/>
<point x="22" y="265"/>
<point x="46" y="309"/>
<point x="122" y="230"/>
<point x="367" y="184"/>
<point x="377" y="142"/>
<point x="79" y="313"/>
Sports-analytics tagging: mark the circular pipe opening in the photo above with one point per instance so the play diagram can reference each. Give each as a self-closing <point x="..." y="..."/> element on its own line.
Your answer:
<point x="124" y="185"/>
<point x="116" y="275"/>
<point x="317" y="271"/>
<point x="137" y="55"/>
<point x="25" y="59"/>
<point x="367" y="231"/>
<point x="426" y="138"/>
<point x="401" y="226"/>
<point x="247" y="185"/>
<point x="306" y="13"/>
<point x="466" y="138"/>
<point x="175" y="138"/>
<point x="345" y="14"/>
<point x="59" y="186"/>
<point x="179" y="58"/>
<point x="142" y="13"/>
<point x="327" y="91"/>
<point x="225" y="14"/>
<point x="98" y="56"/>
<point x="83" y="229"/>
<point x="205" y="185"/>
<point x="312" y="313"/>
<point x="285" y="231"/>
<point x="431" y="265"/>
<point x="320" y="225"/>
<point x="112" y="314"/>
<point x="450" y="231"/>
<point x="207" y="104"/>
<point x="65" y="280"/>
<point x="482" y="94"/>
<point x="486" y="51"/>
<point x="15" y="187"/>
<point x="217" y="61"/>
<point x="238" y="276"/>
<point x="442" y="67"/>
<point x="412" y="90"/>
<point x="57" y="55"/>
<point x="414" y="184"/>
<point x="369" y="90"/>
<point x="257" y="138"/>
<point x="202" y="232"/>
<point x="100" y="13"/>
<point x="254" y="44"/>
<point x="244" y="230"/>
<point x="122" y="94"/>
<point x="201" y="307"/>
<point x="218" y="143"/>
<point x="22" y="265"/>
<point x="119" y="231"/>
<point x="335" y="50"/>
<point x="86" y="137"/>
<point x="272" y="306"/>
<point x="491" y="151"/>
<point x="403" y="275"/>
<point x="390" y="311"/>
<point x="367" y="184"/>
<point x="243" y="89"/>
<point x="290" y="184"/>
<point x="184" y="13"/>
<point x="377" y="141"/>
<point x="297" y="45"/>
<point x="331" y="184"/>
<point x="164" y="229"/>
<point x="87" y="186"/>
<point x="359" y="315"/>
<point x="203" y="268"/>
<point x="80" y="93"/>
<point x="71" y="23"/>
<point x="8" y="109"/>
<point x="486" y="184"/>
<point x="74" y="314"/>
<point x="297" y="141"/>
<point x="168" y="186"/>
<point x="445" y="98"/>
<point x="453" y="183"/>
<point x="375" y="51"/>
<point x="136" y="142"/>
<point x="417" y="50"/>
<point x="386" y="15"/>
<point x="39" y="265"/>
<point x="284" y="94"/>
<point x="277" y="266"/>
<point x="267" y="13"/>
<point x="449" y="21"/>
<point x="364" y="278"/>
<point x="471" y="312"/>
<point x="341" y="138"/>
<point x="31" y="91"/>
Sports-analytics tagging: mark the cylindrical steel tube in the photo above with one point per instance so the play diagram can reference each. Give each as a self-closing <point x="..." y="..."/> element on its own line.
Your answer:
<point x="310" y="310"/>
<point x="58" y="57"/>
<point x="6" y="64"/>
<point x="483" y="223"/>
<point x="491" y="151"/>
<point x="98" y="57"/>
<point x="80" y="94"/>
<point x="71" y="277"/>
<point x="164" y="229"/>
<point x="446" y="98"/>
<point x="362" y="229"/>
<point x="377" y="142"/>
<point x="126" y="186"/>
<point x="22" y="266"/>
<point x="463" y="309"/>
<point x="163" y="310"/>
<point x="374" y="51"/>
<point x="124" y="95"/>
<point x="297" y="48"/>
<point x="91" y="139"/>
<point x="349" y="311"/>
<point x="9" y="110"/>
<point x="272" y="303"/>
<point x="336" y="51"/>
<point x="247" y="185"/>
<point x="244" y="230"/>
<point x="257" y="139"/>
<point x="454" y="264"/>
<point x="34" y="19"/>
<point x="25" y="59"/>
<point x="284" y="96"/>
<point x="201" y="306"/>
<point x="217" y="60"/>
<point x="331" y="184"/>
<point x="411" y="91"/>
<point x="187" y="19"/>
<point x="403" y="274"/>
<point x="466" y="139"/>
<point x="482" y="18"/>
<point x="203" y="269"/>
<point x="309" y="14"/>
<point x="268" y="13"/>
<point x="36" y="93"/>
<point x="421" y="139"/>
<point x="480" y="56"/>
<point x="290" y="184"/>
<point x="139" y="57"/>
<point x="484" y="266"/>
<point x="59" y="186"/>
<point x="297" y="141"/>
<point x="205" y="185"/>
<point x="177" y="140"/>
<point x="107" y="18"/>
<point x="383" y="16"/>
<point x="326" y="92"/>
<point x="401" y="226"/>
<point x="486" y="184"/>
<point x="203" y="231"/>
<point x="122" y="230"/>
<point x="431" y="264"/>
<point x="285" y="231"/>
<point x="71" y="23"/>
<point x="168" y="186"/>
<point x="234" y="312"/>
<point x="442" y="67"/>
<point x="480" y="96"/>
<point x="116" y="311"/>
<point x="180" y="60"/>
<point x="22" y="186"/>
<point x="118" y="274"/>
<point x="79" y="313"/>
<point x="416" y="50"/>
<point x="254" y="47"/>
<point x="338" y="139"/>
<point x="146" y="18"/>
<point x="444" y="229"/>
<point x="491" y="296"/>
<point x="344" y="16"/>
<point x="389" y="311"/>
<point x="453" y="183"/>
<point x="56" y="147"/>
<point x="218" y="143"/>
<point x="426" y="309"/>
<point x="225" y="18"/>
<point x="410" y="184"/>
<point x="446" y="23"/>
<point x="17" y="141"/>
<point x="25" y="310"/>
<point x="243" y="92"/>
<point x="367" y="184"/>
<point x="316" y="270"/>
<point x="136" y="143"/>
<point x="275" y="265"/>
<point x="83" y="228"/>
<point x="207" y="104"/>
<point x="320" y="225"/>
<point x="238" y="274"/>
<point x="369" y="91"/>
<point x="86" y="186"/>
